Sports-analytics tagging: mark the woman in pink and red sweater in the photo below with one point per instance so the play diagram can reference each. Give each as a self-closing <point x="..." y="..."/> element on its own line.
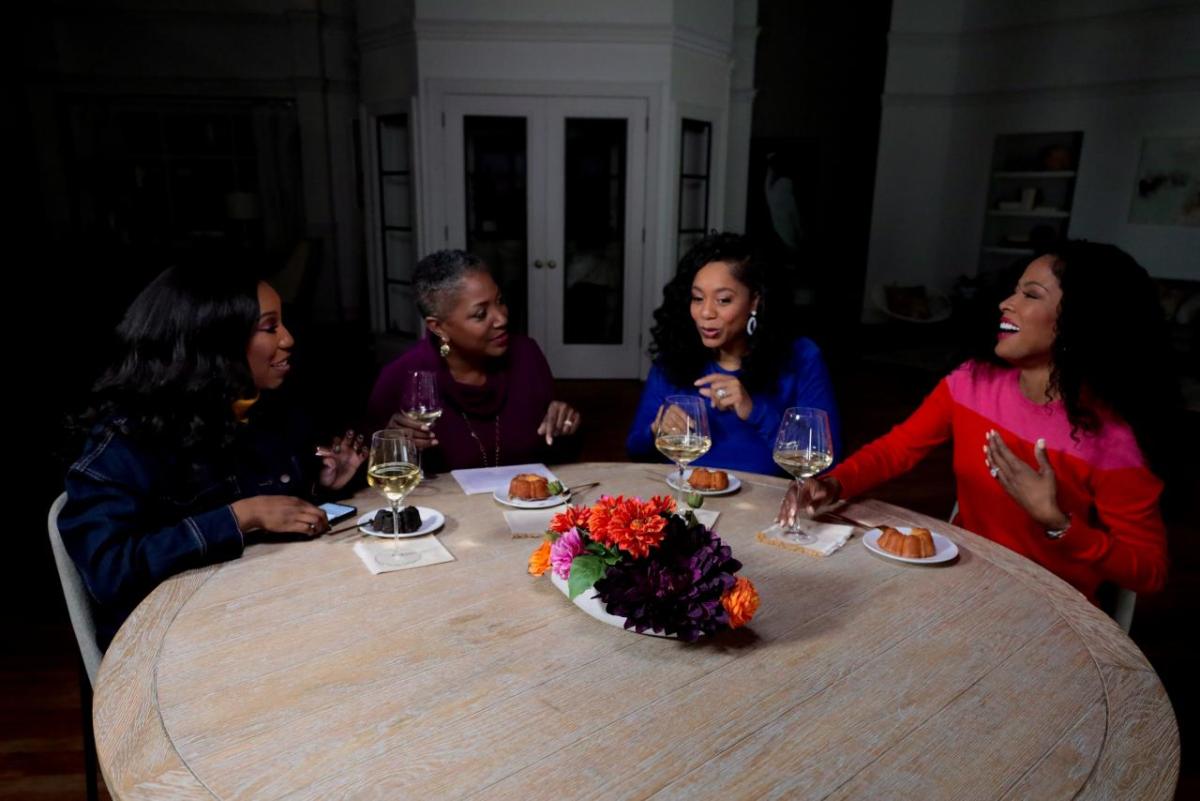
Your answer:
<point x="1053" y="428"/>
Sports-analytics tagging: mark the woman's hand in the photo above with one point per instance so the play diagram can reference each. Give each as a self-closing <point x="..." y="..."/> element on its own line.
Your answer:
<point x="560" y="420"/>
<point x="806" y="499"/>
<point x="669" y="420"/>
<point x="726" y="392"/>
<point x="341" y="460"/>
<point x="281" y="514"/>
<point x="1035" y="490"/>
<point x="421" y="433"/>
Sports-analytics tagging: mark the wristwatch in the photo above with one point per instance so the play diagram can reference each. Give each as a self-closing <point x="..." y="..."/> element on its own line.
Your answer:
<point x="1057" y="533"/>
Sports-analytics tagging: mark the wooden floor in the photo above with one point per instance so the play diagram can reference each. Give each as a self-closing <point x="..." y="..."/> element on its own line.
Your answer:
<point x="40" y="739"/>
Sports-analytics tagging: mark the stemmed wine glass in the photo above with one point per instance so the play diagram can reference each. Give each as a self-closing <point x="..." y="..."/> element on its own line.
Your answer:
<point x="682" y="434"/>
<point x="394" y="468"/>
<point x="803" y="447"/>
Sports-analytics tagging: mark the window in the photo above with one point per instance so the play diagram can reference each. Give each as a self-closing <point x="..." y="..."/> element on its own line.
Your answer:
<point x="695" y="164"/>
<point x="396" y="223"/>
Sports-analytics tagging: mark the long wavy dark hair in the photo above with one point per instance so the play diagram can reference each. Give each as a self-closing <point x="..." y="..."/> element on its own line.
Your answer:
<point x="675" y="343"/>
<point x="1111" y="351"/>
<point x="181" y="360"/>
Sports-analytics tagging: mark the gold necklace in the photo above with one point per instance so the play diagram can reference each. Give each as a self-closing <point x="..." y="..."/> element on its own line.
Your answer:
<point x="479" y="442"/>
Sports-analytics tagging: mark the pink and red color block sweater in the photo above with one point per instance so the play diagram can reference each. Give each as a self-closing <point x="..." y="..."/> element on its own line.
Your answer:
<point x="1116" y="531"/>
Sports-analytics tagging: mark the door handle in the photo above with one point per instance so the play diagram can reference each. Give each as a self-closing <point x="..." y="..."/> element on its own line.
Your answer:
<point x="537" y="265"/>
<point x="552" y="264"/>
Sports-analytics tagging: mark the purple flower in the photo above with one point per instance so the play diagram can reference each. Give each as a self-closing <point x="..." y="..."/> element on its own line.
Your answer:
<point x="677" y="588"/>
<point x="565" y="549"/>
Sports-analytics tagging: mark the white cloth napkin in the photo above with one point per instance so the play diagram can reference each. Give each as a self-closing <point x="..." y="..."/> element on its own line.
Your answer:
<point x="430" y="550"/>
<point x="830" y="537"/>
<point x="535" y="522"/>
<point x="490" y="479"/>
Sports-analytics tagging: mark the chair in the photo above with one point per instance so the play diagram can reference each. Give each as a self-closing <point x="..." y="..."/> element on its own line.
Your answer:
<point x="1123" y="611"/>
<point x="79" y="607"/>
<point x="1120" y="610"/>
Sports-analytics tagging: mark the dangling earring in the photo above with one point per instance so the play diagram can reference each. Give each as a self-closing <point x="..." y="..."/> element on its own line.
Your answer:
<point x="752" y="323"/>
<point x="444" y="349"/>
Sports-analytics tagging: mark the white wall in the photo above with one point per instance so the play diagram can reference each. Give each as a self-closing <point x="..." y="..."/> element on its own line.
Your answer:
<point x="961" y="72"/>
<point x="679" y="52"/>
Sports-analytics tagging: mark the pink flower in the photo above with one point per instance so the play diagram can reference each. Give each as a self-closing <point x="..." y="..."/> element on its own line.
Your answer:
<point x="564" y="549"/>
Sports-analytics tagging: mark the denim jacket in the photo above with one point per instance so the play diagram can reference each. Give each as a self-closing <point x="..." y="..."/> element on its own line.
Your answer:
<point x="135" y="516"/>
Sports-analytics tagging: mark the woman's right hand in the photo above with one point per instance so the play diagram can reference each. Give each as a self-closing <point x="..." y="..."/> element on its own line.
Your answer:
<point x="422" y="433"/>
<point x="669" y="420"/>
<point x="281" y="514"/>
<point x="807" y="498"/>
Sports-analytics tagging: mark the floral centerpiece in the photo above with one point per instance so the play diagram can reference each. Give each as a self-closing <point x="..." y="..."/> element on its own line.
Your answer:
<point x="662" y="572"/>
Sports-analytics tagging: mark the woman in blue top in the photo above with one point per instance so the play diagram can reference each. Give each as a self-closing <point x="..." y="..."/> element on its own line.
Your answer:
<point x="725" y="333"/>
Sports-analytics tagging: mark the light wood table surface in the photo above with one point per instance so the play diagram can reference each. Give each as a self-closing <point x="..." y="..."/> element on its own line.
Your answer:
<point x="293" y="673"/>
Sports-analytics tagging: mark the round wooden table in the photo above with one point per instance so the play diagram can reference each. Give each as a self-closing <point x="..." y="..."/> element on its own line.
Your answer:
<point x="293" y="673"/>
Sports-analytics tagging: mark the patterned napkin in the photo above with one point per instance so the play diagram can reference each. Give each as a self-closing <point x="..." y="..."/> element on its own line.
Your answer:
<point x="830" y="537"/>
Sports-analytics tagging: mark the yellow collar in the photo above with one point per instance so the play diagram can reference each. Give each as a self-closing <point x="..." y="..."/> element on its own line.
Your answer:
<point x="241" y="407"/>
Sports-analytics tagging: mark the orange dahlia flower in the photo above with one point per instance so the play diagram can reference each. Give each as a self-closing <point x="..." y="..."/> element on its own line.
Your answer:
<point x="539" y="560"/>
<point x="741" y="602"/>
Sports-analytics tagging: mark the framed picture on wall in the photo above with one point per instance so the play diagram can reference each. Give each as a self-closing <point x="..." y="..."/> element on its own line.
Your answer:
<point x="1167" y="188"/>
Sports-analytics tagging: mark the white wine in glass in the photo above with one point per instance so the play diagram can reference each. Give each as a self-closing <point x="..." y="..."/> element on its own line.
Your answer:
<point x="683" y="435"/>
<point x="394" y="469"/>
<point x="803" y="447"/>
<point x="421" y="401"/>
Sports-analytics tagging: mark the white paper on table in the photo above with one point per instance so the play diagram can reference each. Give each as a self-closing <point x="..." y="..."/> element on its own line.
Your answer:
<point x="490" y="479"/>
<point x="530" y="521"/>
<point x="429" y="550"/>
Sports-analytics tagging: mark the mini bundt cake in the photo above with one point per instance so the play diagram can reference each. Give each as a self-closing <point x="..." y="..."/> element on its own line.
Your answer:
<point x="410" y="521"/>
<point x="709" y="480"/>
<point x="916" y="545"/>
<point x="529" y="487"/>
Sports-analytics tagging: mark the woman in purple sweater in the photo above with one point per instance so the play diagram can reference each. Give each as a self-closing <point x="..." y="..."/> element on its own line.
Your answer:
<point x="496" y="388"/>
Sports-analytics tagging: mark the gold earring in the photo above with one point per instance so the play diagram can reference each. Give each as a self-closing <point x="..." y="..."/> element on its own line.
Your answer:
<point x="445" y="348"/>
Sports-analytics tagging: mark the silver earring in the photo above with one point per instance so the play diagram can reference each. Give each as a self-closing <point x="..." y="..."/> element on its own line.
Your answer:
<point x="752" y="323"/>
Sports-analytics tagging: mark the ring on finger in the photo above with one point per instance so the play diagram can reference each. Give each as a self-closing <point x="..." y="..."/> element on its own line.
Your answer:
<point x="721" y="393"/>
<point x="995" y="471"/>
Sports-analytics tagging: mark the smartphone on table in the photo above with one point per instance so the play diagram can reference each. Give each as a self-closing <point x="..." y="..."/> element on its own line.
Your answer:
<point x="337" y="512"/>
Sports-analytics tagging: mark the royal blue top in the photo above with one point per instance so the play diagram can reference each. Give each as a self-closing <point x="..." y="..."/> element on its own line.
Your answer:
<point x="744" y="444"/>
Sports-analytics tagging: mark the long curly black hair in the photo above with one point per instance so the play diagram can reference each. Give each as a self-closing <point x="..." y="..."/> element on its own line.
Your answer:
<point x="1111" y="351"/>
<point x="675" y="343"/>
<point x="181" y="360"/>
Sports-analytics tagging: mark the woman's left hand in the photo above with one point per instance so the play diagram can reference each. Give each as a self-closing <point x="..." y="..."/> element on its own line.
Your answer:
<point x="341" y="460"/>
<point x="1035" y="490"/>
<point x="726" y="392"/>
<point x="560" y="419"/>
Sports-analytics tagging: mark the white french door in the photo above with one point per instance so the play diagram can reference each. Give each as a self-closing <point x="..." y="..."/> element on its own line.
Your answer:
<point x="551" y="192"/>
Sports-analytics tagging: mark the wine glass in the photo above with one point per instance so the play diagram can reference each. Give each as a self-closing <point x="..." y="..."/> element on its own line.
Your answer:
<point x="803" y="447"/>
<point x="420" y="401"/>
<point x="682" y="434"/>
<point x="394" y="468"/>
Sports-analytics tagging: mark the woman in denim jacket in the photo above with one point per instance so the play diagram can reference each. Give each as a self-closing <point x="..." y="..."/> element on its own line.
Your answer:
<point x="183" y="458"/>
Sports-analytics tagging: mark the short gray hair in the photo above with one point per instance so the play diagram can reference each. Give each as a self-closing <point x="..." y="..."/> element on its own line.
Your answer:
<point x="439" y="274"/>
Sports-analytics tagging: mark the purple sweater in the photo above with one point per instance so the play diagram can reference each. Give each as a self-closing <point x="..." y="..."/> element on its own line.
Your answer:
<point x="512" y="402"/>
